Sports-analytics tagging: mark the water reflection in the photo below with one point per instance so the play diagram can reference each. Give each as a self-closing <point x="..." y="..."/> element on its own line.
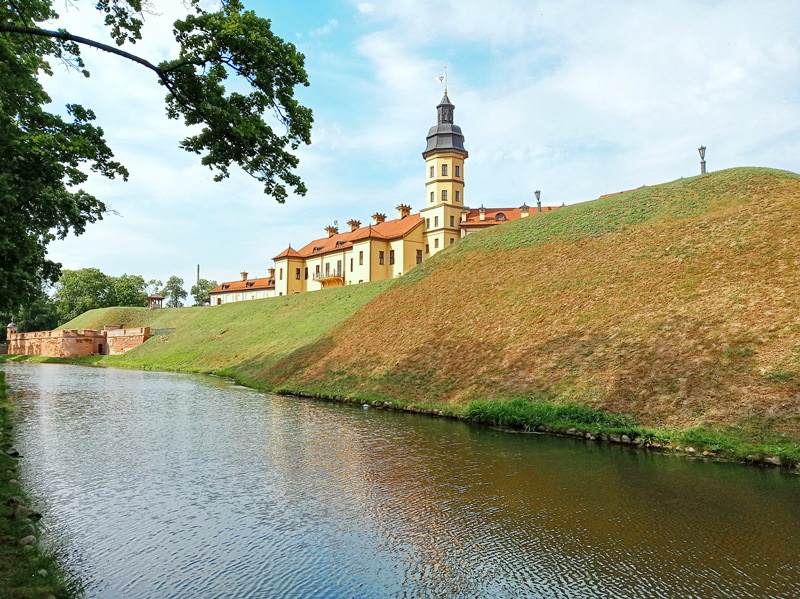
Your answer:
<point x="172" y="485"/>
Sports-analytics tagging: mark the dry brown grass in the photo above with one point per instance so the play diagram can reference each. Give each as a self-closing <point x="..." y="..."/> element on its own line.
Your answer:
<point x="678" y="321"/>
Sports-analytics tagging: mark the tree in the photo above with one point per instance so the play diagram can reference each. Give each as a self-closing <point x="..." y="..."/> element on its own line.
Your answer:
<point x="128" y="290"/>
<point x="38" y="314"/>
<point x="46" y="157"/>
<point x="80" y="290"/>
<point x="88" y="288"/>
<point x="174" y="292"/>
<point x="200" y="291"/>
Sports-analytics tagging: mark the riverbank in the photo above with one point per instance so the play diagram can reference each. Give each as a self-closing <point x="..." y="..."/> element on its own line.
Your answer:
<point x="536" y="415"/>
<point x="26" y="569"/>
<point x="672" y="310"/>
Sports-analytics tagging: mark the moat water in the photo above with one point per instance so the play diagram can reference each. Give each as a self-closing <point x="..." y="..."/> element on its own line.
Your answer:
<point x="158" y="485"/>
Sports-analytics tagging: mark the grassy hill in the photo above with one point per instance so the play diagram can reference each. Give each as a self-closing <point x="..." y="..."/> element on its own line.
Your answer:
<point x="224" y="339"/>
<point x="676" y="304"/>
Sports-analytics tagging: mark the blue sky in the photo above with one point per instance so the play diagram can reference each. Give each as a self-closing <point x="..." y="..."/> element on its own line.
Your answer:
<point x="576" y="98"/>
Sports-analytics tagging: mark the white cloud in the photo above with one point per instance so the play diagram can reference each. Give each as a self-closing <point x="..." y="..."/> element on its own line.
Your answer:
<point x="324" y="29"/>
<point x="571" y="97"/>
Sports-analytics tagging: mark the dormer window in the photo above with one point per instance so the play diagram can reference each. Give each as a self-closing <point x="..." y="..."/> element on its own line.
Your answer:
<point x="340" y="243"/>
<point x="250" y="283"/>
<point x="225" y="286"/>
<point x="500" y="216"/>
<point x="318" y="248"/>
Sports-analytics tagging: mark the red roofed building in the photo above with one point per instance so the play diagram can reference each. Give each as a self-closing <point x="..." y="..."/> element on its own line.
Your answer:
<point x="243" y="289"/>
<point x="386" y="249"/>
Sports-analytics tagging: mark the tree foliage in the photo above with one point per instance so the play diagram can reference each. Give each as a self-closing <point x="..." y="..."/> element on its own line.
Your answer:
<point x="174" y="292"/>
<point x="88" y="288"/>
<point x="200" y="291"/>
<point x="46" y="157"/>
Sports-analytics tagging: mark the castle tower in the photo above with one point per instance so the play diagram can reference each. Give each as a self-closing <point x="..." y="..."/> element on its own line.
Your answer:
<point x="444" y="180"/>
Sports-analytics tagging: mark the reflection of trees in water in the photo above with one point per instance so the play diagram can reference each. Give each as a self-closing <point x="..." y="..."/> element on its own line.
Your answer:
<point x="470" y="510"/>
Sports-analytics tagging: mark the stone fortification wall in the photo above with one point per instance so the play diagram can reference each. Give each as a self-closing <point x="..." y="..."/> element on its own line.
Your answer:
<point x="68" y="343"/>
<point x="122" y="340"/>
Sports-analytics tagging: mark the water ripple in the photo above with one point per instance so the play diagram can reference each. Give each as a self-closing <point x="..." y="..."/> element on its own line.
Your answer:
<point x="165" y="485"/>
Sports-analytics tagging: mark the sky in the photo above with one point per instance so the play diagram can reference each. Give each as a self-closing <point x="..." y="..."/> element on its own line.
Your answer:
<point x="576" y="98"/>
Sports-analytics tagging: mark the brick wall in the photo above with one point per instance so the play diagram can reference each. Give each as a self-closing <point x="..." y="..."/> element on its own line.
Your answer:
<point x="121" y="340"/>
<point x="68" y="343"/>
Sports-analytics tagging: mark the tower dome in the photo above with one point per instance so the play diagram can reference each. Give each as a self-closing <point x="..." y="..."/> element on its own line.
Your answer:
<point x="445" y="135"/>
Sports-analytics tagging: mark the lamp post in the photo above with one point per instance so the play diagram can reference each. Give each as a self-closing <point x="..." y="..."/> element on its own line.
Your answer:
<point x="702" y="150"/>
<point x="538" y="195"/>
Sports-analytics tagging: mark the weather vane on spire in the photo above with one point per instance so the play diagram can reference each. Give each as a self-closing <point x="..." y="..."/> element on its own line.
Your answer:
<point x="443" y="79"/>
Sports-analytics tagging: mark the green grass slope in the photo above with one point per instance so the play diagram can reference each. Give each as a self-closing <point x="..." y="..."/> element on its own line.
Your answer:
<point x="225" y="339"/>
<point x="675" y="306"/>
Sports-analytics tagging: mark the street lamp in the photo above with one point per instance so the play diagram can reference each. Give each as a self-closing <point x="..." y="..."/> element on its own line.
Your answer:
<point x="538" y="195"/>
<point x="702" y="150"/>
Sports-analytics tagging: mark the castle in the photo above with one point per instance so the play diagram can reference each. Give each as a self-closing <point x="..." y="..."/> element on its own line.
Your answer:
<point x="385" y="248"/>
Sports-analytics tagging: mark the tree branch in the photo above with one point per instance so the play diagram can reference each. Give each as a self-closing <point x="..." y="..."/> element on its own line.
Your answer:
<point x="68" y="37"/>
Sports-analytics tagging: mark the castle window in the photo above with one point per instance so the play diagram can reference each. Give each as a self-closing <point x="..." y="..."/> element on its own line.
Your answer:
<point x="391" y="256"/>
<point x="453" y="220"/>
<point x="338" y="268"/>
<point x="444" y="170"/>
<point x="297" y="273"/>
<point x="305" y="273"/>
<point x="380" y="257"/>
<point x="444" y="195"/>
<point x="499" y="216"/>
<point x="452" y="241"/>
<point x="458" y="196"/>
<point x="427" y="248"/>
<point x="419" y="256"/>
<point x="435" y="221"/>
<point x="427" y="223"/>
<point x="361" y="258"/>
<point x="351" y="265"/>
<point x="431" y="197"/>
<point x="436" y="243"/>
<point x="458" y="171"/>
<point x="431" y="171"/>
<point x="328" y="269"/>
<point x="280" y="274"/>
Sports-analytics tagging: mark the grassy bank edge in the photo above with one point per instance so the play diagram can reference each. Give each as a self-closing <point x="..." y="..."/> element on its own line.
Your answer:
<point x="535" y="415"/>
<point x="25" y="570"/>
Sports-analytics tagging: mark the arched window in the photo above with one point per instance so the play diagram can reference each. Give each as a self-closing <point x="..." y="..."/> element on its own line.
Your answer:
<point x="500" y="216"/>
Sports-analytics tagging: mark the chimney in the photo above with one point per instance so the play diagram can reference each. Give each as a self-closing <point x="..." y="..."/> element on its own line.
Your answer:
<point x="354" y="224"/>
<point x="331" y="230"/>
<point x="244" y="275"/>
<point x="464" y="213"/>
<point x="378" y="218"/>
<point x="483" y="213"/>
<point x="403" y="210"/>
<point x="272" y="273"/>
<point x="524" y="211"/>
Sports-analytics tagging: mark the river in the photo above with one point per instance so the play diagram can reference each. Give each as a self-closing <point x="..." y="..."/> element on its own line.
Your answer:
<point x="159" y="485"/>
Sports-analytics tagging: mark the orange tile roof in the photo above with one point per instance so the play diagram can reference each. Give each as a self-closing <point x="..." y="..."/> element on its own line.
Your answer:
<point x="474" y="215"/>
<point x="391" y="229"/>
<point x="288" y="252"/>
<point x="240" y="285"/>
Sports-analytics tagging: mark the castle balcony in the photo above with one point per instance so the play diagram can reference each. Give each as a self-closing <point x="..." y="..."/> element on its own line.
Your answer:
<point x="328" y="278"/>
